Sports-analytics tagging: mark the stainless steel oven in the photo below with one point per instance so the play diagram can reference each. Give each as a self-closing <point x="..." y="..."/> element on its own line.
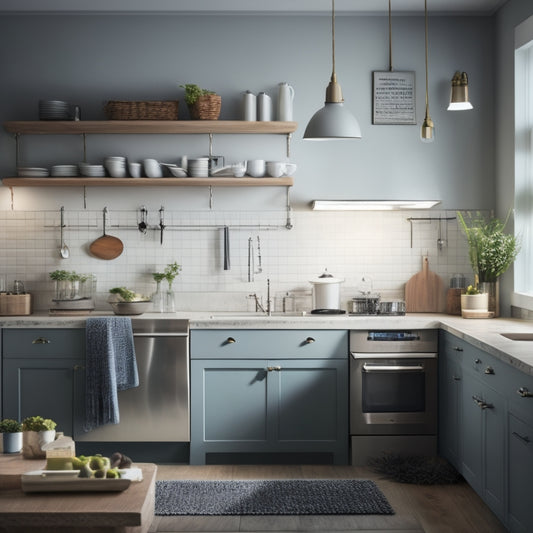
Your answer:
<point x="393" y="392"/>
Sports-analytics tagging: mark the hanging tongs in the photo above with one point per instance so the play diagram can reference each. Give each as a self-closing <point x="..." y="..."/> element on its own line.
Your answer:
<point x="143" y="226"/>
<point x="161" y="222"/>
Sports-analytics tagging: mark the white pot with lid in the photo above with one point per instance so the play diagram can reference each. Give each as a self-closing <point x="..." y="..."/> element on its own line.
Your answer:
<point x="326" y="292"/>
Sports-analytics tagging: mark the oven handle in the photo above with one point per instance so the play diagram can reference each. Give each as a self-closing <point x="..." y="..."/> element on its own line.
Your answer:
<point x="369" y="367"/>
<point x="396" y="355"/>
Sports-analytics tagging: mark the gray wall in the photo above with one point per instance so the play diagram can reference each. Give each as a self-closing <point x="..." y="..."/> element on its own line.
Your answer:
<point x="89" y="59"/>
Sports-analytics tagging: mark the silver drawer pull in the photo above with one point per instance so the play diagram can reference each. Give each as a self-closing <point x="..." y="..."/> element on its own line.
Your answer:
<point x="457" y="348"/>
<point x="524" y="392"/>
<point x="230" y="340"/>
<point x="273" y="368"/>
<point x="522" y="438"/>
<point x="309" y="340"/>
<point x="482" y="403"/>
<point x="457" y="378"/>
<point x="78" y="367"/>
<point x="477" y="361"/>
<point x="40" y="340"/>
<point x="489" y="370"/>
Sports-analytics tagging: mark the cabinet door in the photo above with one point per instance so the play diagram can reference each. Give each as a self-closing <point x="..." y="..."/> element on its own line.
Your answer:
<point x="51" y="388"/>
<point x="450" y="391"/>
<point x="311" y="398"/>
<point x="520" y="446"/>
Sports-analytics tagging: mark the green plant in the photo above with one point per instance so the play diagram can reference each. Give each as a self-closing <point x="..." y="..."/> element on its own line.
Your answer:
<point x="193" y="92"/>
<point x="60" y="275"/>
<point x="158" y="277"/>
<point x="8" y="425"/>
<point x="491" y="251"/>
<point x="170" y="272"/>
<point x="38" y="423"/>
<point x="472" y="290"/>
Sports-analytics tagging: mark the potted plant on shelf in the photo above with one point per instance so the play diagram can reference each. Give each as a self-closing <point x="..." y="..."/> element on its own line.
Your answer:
<point x="12" y="435"/>
<point x="36" y="432"/>
<point x="491" y="252"/>
<point x="202" y="103"/>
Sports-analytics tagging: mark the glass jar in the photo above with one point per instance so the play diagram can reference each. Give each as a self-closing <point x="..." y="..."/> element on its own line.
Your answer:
<point x="158" y="299"/>
<point x="170" y="302"/>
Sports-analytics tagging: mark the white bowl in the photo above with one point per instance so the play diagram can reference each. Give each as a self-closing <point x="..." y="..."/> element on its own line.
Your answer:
<point x="177" y="172"/>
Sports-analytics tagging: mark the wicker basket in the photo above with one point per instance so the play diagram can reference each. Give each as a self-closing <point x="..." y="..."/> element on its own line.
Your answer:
<point x="207" y="107"/>
<point x="151" y="110"/>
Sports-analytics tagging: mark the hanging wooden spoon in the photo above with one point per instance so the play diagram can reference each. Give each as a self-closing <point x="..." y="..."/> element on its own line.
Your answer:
<point x="106" y="247"/>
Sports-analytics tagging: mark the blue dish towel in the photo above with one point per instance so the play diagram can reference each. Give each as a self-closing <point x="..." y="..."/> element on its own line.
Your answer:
<point x="110" y="367"/>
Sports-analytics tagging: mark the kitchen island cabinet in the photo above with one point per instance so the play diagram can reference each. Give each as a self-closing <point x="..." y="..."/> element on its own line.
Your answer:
<point x="43" y="375"/>
<point x="289" y="407"/>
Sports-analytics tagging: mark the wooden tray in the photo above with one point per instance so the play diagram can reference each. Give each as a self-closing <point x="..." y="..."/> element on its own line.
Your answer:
<point x="41" y="481"/>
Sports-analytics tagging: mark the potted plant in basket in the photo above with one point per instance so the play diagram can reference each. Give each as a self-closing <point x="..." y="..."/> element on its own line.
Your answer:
<point x="36" y="432"/>
<point x="12" y="435"/>
<point x="202" y="103"/>
<point x="491" y="252"/>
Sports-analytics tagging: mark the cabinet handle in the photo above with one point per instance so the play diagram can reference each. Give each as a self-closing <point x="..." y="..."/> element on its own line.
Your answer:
<point x="230" y="340"/>
<point x="477" y="361"/>
<point x="481" y="403"/>
<point x="309" y="340"/>
<point x="40" y="340"/>
<point x="78" y="367"/>
<point x="524" y="392"/>
<point x="522" y="438"/>
<point x="457" y="348"/>
<point x="457" y="378"/>
<point x="489" y="370"/>
<point x="273" y="368"/>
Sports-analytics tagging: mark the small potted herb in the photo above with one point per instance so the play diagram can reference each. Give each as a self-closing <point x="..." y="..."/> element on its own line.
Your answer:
<point x="12" y="435"/>
<point x="202" y="103"/>
<point x="36" y="432"/>
<point x="474" y="300"/>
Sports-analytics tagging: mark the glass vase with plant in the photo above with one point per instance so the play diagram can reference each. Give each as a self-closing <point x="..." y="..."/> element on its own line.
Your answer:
<point x="171" y="271"/>
<point x="158" y="300"/>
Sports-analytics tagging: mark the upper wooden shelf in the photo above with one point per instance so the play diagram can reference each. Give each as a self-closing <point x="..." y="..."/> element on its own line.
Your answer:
<point x="68" y="127"/>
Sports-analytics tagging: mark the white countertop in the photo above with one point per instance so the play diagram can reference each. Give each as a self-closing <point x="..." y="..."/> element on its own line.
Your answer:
<point x="483" y="333"/>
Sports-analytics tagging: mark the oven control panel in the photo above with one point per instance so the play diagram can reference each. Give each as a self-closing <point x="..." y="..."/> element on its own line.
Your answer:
<point x="394" y="341"/>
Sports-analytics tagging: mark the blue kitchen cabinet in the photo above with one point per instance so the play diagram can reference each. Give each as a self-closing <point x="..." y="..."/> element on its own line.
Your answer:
<point x="450" y="398"/>
<point x="291" y="409"/>
<point x="43" y="375"/>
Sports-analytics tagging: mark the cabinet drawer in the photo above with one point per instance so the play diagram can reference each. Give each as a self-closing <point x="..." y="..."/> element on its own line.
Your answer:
<point x="271" y="344"/>
<point x="43" y="342"/>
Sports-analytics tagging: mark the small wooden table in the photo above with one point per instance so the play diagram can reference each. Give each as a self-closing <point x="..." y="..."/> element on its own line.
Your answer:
<point x="130" y="511"/>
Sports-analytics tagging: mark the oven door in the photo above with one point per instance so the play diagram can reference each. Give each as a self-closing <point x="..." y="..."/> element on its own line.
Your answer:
<point x="393" y="394"/>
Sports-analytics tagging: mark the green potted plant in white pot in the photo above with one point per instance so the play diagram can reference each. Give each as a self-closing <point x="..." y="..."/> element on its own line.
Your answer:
<point x="36" y="432"/>
<point x="12" y="435"/>
<point x="491" y="252"/>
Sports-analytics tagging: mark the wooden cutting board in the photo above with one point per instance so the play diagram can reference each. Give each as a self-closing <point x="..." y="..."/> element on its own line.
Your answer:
<point x="424" y="292"/>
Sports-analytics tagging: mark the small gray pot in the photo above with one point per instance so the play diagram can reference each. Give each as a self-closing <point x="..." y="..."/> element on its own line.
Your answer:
<point x="12" y="442"/>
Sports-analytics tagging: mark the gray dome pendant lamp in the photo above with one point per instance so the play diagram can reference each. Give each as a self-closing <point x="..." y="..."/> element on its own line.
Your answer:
<point x="333" y="121"/>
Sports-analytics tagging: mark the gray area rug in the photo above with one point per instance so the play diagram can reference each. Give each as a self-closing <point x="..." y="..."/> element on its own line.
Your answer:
<point x="270" y="497"/>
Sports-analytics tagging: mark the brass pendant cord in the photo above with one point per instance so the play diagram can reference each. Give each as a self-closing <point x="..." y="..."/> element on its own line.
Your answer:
<point x="390" y="37"/>
<point x="426" y="31"/>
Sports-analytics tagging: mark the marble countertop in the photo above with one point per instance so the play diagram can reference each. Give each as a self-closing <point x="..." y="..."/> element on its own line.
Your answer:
<point x="483" y="333"/>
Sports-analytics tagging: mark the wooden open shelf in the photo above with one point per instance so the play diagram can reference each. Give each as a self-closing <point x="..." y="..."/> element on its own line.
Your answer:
<point x="67" y="127"/>
<point x="147" y="182"/>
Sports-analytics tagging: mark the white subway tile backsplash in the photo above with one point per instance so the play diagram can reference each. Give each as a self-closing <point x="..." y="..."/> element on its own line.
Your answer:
<point x="382" y="246"/>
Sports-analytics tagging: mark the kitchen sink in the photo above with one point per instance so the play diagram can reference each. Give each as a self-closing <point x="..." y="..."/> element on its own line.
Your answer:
<point x="518" y="336"/>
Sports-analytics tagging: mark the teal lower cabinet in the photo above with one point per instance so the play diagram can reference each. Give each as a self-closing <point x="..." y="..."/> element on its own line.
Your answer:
<point x="486" y="430"/>
<point x="270" y="410"/>
<point x="43" y="375"/>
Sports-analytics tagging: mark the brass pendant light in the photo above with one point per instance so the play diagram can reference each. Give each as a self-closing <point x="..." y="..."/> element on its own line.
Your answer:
<point x="459" y="95"/>
<point x="333" y="121"/>
<point x="427" y="133"/>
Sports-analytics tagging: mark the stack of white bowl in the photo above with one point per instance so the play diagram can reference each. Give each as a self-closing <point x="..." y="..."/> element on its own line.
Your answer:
<point x="91" y="171"/>
<point x="32" y="172"/>
<point x="116" y="166"/>
<point x="198" y="168"/>
<point x="64" y="171"/>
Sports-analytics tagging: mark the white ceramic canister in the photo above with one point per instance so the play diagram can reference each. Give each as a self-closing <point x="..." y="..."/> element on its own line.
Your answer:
<point x="285" y="101"/>
<point x="249" y="106"/>
<point x="326" y="291"/>
<point x="264" y="107"/>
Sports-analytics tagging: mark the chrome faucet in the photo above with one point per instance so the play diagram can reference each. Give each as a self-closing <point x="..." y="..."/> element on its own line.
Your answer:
<point x="259" y="306"/>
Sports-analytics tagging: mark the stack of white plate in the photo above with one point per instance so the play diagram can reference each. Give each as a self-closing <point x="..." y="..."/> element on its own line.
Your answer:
<point x="198" y="168"/>
<point x="35" y="172"/>
<point x="91" y="171"/>
<point x="116" y="166"/>
<point x="54" y="110"/>
<point x="63" y="171"/>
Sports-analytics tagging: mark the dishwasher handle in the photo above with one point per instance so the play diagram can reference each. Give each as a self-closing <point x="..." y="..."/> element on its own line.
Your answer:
<point x="155" y="334"/>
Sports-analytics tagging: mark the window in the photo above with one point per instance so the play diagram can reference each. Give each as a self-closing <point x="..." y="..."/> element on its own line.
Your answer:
<point x="523" y="271"/>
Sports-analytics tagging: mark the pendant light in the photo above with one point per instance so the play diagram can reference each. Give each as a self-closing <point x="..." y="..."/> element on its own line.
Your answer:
<point x="459" y="95"/>
<point x="333" y="121"/>
<point x="427" y="133"/>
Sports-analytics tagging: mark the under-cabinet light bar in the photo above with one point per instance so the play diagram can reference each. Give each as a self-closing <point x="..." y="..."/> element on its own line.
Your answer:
<point x="371" y="205"/>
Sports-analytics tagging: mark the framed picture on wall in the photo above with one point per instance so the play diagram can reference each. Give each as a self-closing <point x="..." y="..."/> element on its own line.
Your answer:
<point x="394" y="97"/>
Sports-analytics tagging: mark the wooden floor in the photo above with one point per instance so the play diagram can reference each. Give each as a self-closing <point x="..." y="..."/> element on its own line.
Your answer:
<point x="418" y="508"/>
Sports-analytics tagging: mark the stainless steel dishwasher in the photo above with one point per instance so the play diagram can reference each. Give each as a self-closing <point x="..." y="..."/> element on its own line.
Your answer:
<point x="158" y="409"/>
